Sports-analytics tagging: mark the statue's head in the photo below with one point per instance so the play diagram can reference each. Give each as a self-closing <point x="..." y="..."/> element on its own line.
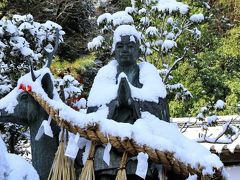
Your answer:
<point x="126" y="44"/>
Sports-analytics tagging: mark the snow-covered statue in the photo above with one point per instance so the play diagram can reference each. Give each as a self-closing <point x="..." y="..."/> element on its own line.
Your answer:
<point x="127" y="89"/>
<point x="125" y="84"/>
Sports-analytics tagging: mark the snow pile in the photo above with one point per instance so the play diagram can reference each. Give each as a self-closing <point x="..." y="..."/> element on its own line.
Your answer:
<point x="118" y="18"/>
<point x="168" y="44"/>
<point x="105" y="84"/>
<point x="212" y="119"/>
<point x="121" y="17"/>
<point x="151" y="31"/>
<point x="4" y="166"/>
<point x="124" y="30"/>
<point x="20" y="168"/>
<point x="171" y="6"/>
<point x="14" y="167"/>
<point x="96" y="42"/>
<point x="219" y="104"/>
<point x="197" y="18"/>
<point x="10" y="101"/>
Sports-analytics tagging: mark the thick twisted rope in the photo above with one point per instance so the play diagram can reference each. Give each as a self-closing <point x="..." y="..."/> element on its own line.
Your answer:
<point x="93" y="133"/>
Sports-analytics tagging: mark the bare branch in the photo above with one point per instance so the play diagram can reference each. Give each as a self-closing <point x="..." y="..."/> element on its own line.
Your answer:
<point x="173" y="66"/>
<point x="217" y="139"/>
<point x="186" y="125"/>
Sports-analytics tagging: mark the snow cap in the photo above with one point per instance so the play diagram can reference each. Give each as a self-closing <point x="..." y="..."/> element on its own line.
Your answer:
<point x="124" y="30"/>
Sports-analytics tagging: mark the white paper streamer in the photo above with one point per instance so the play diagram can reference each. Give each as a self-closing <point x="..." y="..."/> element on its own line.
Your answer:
<point x="72" y="147"/>
<point x="106" y="154"/>
<point x="142" y="165"/>
<point x="86" y="152"/>
<point x="45" y="128"/>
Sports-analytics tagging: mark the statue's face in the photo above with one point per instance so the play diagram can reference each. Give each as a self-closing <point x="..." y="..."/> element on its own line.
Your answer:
<point x="126" y="51"/>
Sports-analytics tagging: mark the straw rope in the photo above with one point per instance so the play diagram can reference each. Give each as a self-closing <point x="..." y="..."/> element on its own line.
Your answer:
<point x="63" y="167"/>
<point x="88" y="169"/>
<point x="121" y="174"/>
<point x="93" y="133"/>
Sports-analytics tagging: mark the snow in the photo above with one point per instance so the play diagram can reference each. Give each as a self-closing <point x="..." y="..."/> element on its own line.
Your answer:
<point x="121" y="17"/>
<point x="206" y="5"/>
<point x="145" y="21"/>
<point x="171" y="6"/>
<point x="124" y="30"/>
<point x="9" y="102"/>
<point x="96" y="42"/>
<point x="196" y="33"/>
<point x="197" y="18"/>
<point x="234" y="172"/>
<point x="20" y="169"/>
<point x="118" y="18"/>
<point x="170" y="20"/>
<point x="130" y="10"/>
<point x="105" y="80"/>
<point x="193" y="133"/>
<point x="14" y="167"/>
<point x="104" y="17"/>
<point x="219" y="104"/>
<point x="193" y="177"/>
<point x="146" y="49"/>
<point x="168" y="44"/>
<point x="152" y="31"/>
<point x="4" y="166"/>
<point x="142" y="11"/>
<point x="82" y="103"/>
<point x="19" y="18"/>
<point x="212" y="119"/>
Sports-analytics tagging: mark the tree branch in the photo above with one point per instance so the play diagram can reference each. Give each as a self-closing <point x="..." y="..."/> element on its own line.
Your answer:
<point x="173" y="66"/>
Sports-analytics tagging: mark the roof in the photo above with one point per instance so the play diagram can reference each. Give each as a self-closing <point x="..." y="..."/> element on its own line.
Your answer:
<point x="228" y="153"/>
<point x="228" y="157"/>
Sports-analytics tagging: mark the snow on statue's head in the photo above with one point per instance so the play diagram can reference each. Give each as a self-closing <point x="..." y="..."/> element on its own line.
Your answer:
<point x="126" y="41"/>
<point x="125" y="30"/>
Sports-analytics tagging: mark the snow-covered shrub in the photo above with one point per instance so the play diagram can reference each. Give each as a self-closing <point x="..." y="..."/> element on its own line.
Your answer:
<point x="70" y="90"/>
<point x="23" y="40"/>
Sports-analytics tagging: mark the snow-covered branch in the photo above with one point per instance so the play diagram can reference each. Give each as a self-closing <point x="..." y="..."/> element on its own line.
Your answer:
<point x="176" y="62"/>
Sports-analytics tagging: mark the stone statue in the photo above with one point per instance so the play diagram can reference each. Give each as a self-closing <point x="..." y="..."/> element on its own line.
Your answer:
<point x="29" y="113"/>
<point x="125" y="108"/>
